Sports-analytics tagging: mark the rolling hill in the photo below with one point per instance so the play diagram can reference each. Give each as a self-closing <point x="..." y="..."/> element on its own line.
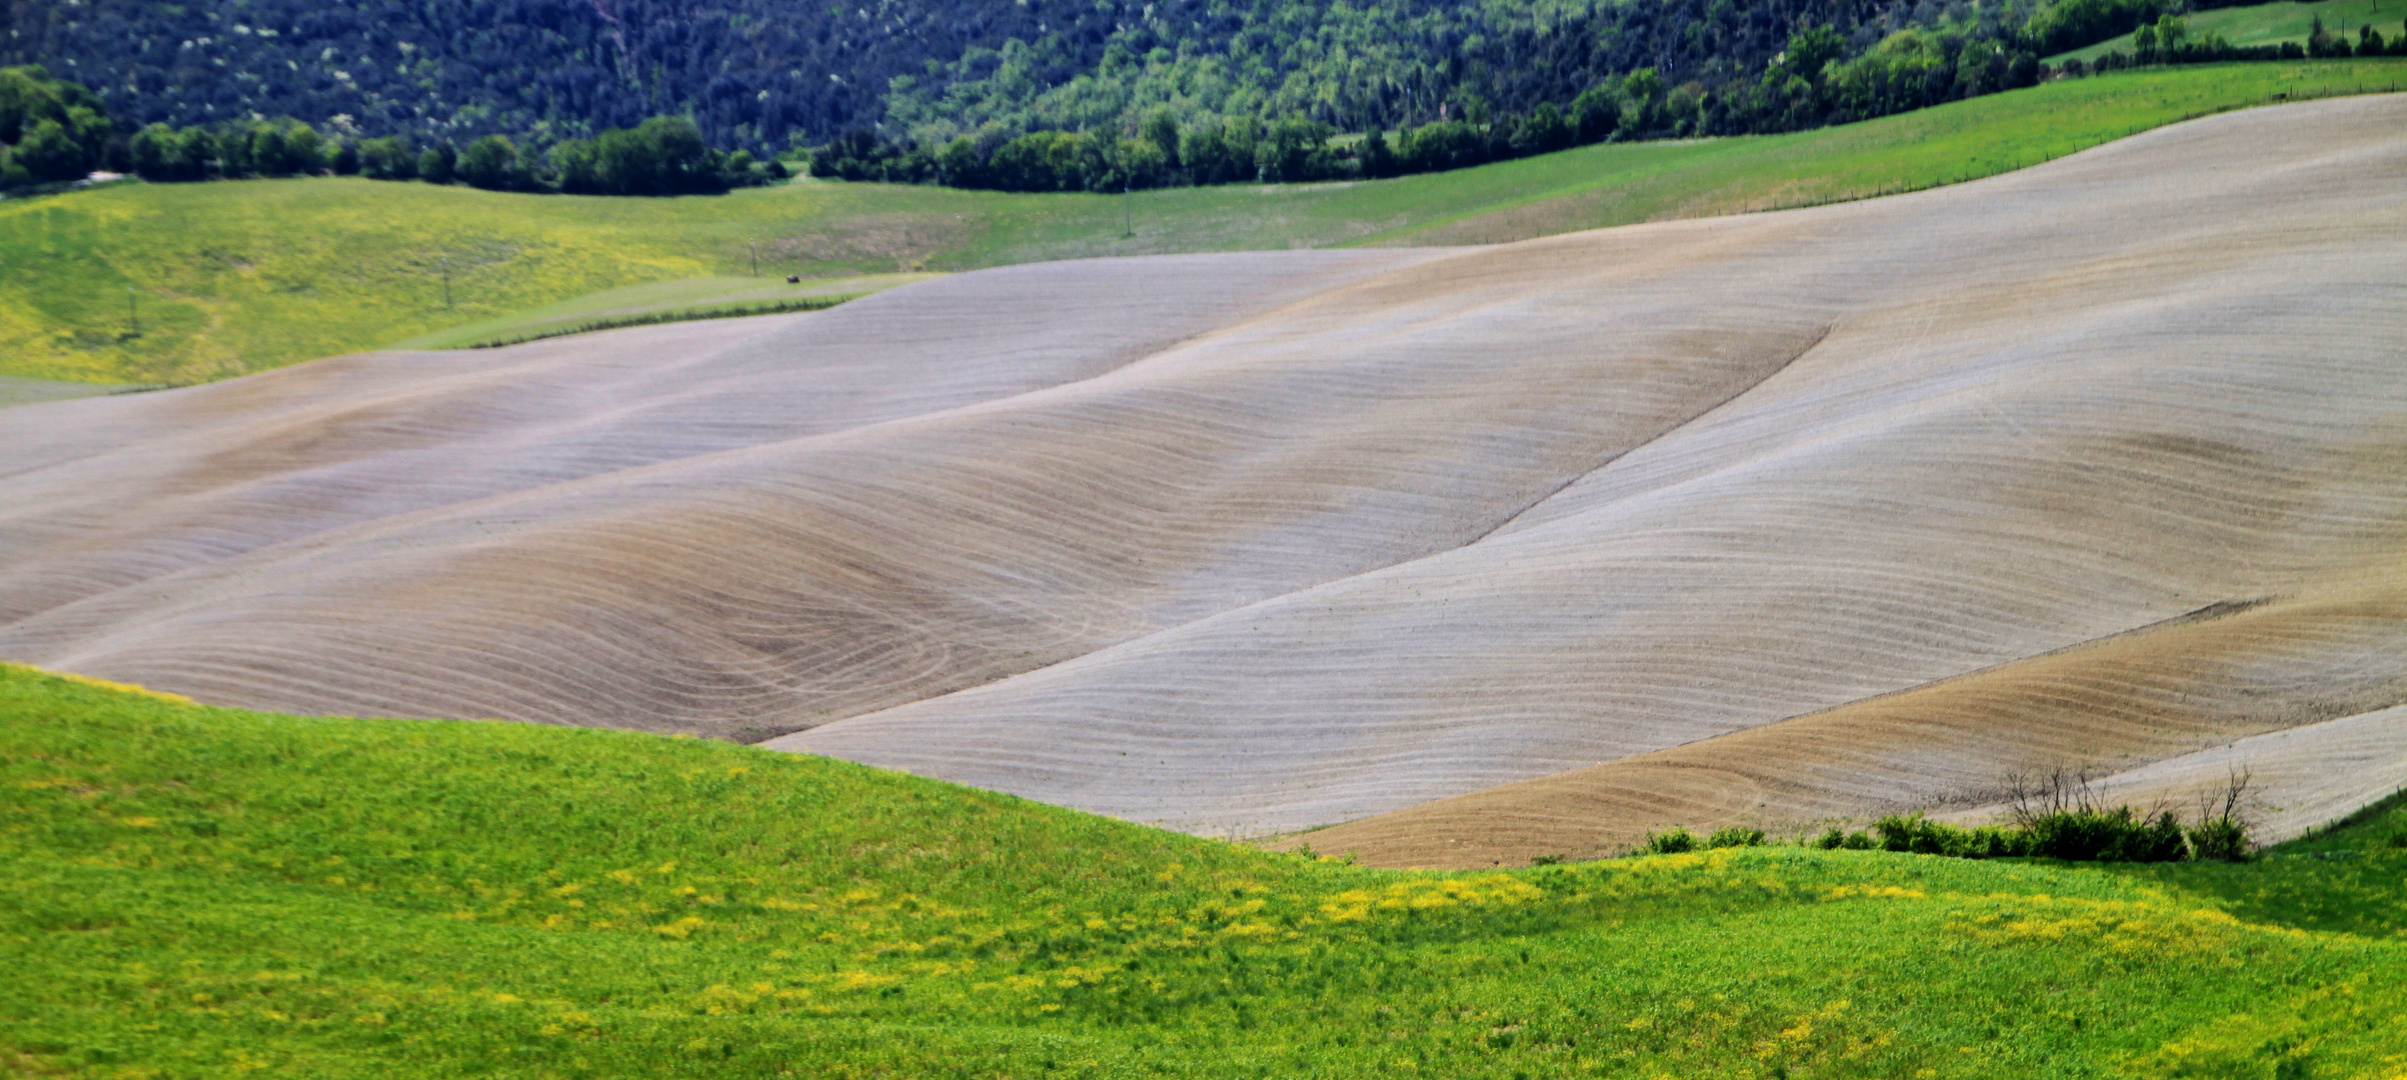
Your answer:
<point x="2095" y="462"/>
<point x="209" y="892"/>
<point x="232" y="277"/>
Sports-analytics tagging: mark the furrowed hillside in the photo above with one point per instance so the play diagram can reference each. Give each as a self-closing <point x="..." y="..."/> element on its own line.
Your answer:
<point x="1863" y="508"/>
<point x="226" y="278"/>
<point x="209" y="891"/>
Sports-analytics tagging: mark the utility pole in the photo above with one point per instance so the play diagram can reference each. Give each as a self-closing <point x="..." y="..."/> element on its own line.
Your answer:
<point x="755" y="247"/>
<point x="132" y="312"/>
<point x="1128" y="204"/>
<point x="447" y="282"/>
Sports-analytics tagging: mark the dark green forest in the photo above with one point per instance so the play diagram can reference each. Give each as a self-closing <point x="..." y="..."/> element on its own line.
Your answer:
<point x="675" y="96"/>
<point x="763" y="75"/>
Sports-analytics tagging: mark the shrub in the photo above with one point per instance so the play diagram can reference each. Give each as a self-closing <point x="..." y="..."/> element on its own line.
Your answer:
<point x="2226" y="839"/>
<point x="1913" y="833"/>
<point x="388" y="158"/>
<point x="1734" y="837"/>
<point x="1670" y="842"/>
<point x="1837" y="838"/>
<point x="490" y="163"/>
<point x="434" y="166"/>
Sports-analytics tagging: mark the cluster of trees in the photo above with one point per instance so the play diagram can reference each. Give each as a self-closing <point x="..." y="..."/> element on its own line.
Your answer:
<point x="746" y="71"/>
<point x="50" y="130"/>
<point x="1375" y="65"/>
<point x="749" y="72"/>
<point x="1030" y="95"/>
<point x="1819" y="74"/>
<point x="1805" y="84"/>
<point x="661" y="156"/>
<point x="2321" y="41"/>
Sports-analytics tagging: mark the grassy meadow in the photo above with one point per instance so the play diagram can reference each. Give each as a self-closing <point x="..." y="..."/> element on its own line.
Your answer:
<point x="206" y="892"/>
<point x="2272" y="24"/>
<point x="226" y="278"/>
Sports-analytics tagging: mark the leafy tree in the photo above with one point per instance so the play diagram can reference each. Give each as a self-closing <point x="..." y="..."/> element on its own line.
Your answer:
<point x="1378" y="161"/>
<point x="664" y="155"/>
<point x="1544" y="131"/>
<point x="1596" y="113"/>
<point x="305" y="151"/>
<point x="163" y="154"/>
<point x="490" y="163"/>
<point x="48" y="153"/>
<point x="1809" y="51"/>
<point x="388" y="158"/>
<point x="50" y="130"/>
<point x="1161" y="129"/>
<point x="436" y="163"/>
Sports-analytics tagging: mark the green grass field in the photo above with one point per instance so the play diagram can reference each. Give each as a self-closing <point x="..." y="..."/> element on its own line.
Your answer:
<point x="233" y="277"/>
<point x="198" y="892"/>
<point x="2272" y="24"/>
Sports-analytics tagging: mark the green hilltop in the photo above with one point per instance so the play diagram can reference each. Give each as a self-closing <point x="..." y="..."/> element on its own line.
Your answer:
<point x="230" y="277"/>
<point x="2270" y="24"/>
<point x="207" y="892"/>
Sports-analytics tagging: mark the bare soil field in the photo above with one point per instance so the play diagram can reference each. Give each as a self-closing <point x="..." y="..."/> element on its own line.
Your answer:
<point x="1488" y="552"/>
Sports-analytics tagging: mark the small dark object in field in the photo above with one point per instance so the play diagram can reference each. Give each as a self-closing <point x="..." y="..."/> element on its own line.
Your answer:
<point x="793" y="279"/>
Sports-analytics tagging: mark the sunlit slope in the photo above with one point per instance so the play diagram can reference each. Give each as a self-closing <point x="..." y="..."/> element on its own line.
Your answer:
<point x="497" y="505"/>
<point x="229" y="278"/>
<point x="206" y="892"/>
<point x="2296" y="694"/>
<point x="1265" y="542"/>
<point x="2049" y="408"/>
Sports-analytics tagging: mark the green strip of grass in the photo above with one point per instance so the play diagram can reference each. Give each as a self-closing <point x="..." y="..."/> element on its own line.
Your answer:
<point x="189" y="892"/>
<point x="662" y="301"/>
<point x="655" y="318"/>
<point x="236" y="277"/>
<point x="17" y="391"/>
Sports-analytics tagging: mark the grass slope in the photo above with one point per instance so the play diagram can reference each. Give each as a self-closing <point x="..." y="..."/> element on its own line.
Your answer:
<point x="236" y="277"/>
<point x="192" y="891"/>
<point x="2271" y="24"/>
<point x="21" y="391"/>
<point x="694" y="297"/>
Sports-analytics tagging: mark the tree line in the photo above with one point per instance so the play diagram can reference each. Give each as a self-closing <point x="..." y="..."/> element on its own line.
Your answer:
<point x="662" y="156"/>
<point x="1804" y="85"/>
<point x="55" y="131"/>
<point x="2168" y="41"/>
<point x="1816" y="77"/>
<point x="752" y="72"/>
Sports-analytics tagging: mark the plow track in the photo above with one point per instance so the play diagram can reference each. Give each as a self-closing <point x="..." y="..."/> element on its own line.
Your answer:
<point x="1486" y="553"/>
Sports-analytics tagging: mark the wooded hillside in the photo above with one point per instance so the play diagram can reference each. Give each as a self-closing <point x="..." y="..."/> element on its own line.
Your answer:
<point x="755" y="74"/>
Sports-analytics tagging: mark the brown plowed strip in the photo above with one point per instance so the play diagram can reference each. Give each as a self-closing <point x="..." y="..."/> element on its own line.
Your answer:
<point x="2157" y="692"/>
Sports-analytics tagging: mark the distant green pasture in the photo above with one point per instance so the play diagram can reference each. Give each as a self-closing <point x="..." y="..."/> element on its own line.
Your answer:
<point x="227" y="278"/>
<point x="2272" y="24"/>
